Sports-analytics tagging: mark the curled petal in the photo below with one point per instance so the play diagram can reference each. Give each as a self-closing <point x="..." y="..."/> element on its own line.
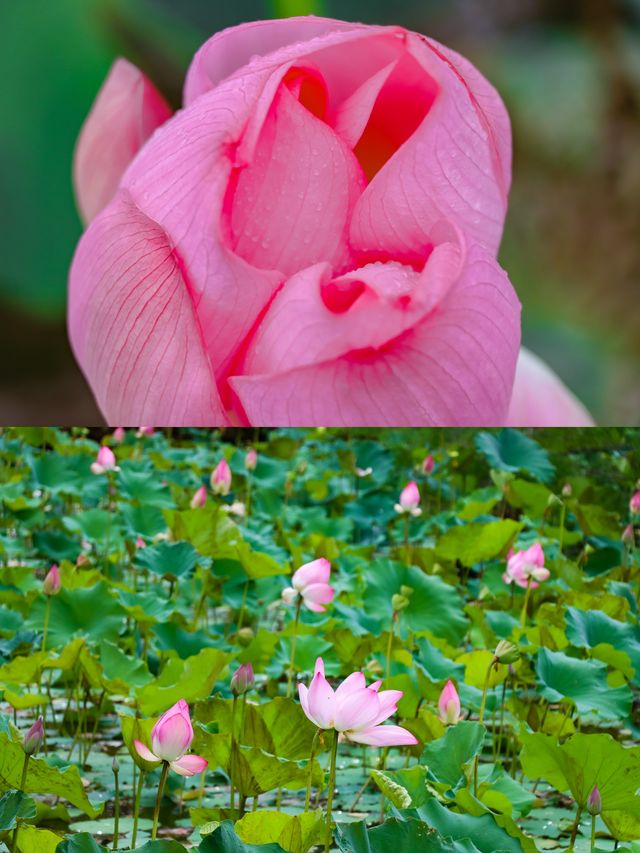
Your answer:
<point x="315" y="572"/>
<point x="132" y="324"/>
<point x="540" y="398"/>
<point x="189" y="765"/>
<point x="388" y="704"/>
<point x="126" y="111"/>
<point x="145" y="753"/>
<point x="384" y="736"/>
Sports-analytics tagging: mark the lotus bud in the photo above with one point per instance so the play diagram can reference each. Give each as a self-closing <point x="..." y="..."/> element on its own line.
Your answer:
<point x="33" y="738"/>
<point x="199" y="498"/>
<point x="428" y="464"/>
<point x="567" y="490"/>
<point x="594" y="803"/>
<point x="399" y="602"/>
<point x="507" y="652"/>
<point x="82" y="560"/>
<point x="251" y="459"/>
<point x="221" y="478"/>
<point x="245" y="636"/>
<point x="628" y="535"/>
<point x="115" y="764"/>
<point x="364" y="472"/>
<point x="449" y="704"/>
<point x="410" y="497"/>
<point x="243" y="680"/>
<point x="634" y="504"/>
<point x="289" y="595"/>
<point x="118" y="435"/>
<point x="52" y="583"/>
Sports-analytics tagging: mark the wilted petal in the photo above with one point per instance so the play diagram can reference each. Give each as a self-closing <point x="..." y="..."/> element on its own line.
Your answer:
<point x="132" y="324"/>
<point x="125" y="113"/>
<point x="540" y="398"/>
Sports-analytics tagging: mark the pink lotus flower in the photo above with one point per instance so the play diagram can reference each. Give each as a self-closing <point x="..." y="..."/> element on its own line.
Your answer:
<point x="310" y="240"/>
<point x="311" y="582"/>
<point x="634" y="504"/>
<point x="170" y="739"/>
<point x="524" y="568"/>
<point x="52" y="583"/>
<point x="105" y="461"/>
<point x="353" y="709"/>
<point x="221" y="478"/>
<point x="449" y="704"/>
<point x="428" y="464"/>
<point x="251" y="460"/>
<point x="140" y="543"/>
<point x="243" y="679"/>
<point x="409" y="500"/>
<point x="199" y="498"/>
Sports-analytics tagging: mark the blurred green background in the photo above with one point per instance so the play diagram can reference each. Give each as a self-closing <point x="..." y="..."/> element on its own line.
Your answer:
<point x="569" y="71"/>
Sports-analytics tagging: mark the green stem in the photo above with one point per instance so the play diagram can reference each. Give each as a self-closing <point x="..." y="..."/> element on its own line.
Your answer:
<point x="593" y="833"/>
<point x="314" y="745"/>
<point x="23" y="779"/>
<point x="232" y="792"/>
<point x="293" y="648"/>
<point x="523" y="615"/>
<point x="116" y="811"/>
<point x="45" y="627"/>
<point x="483" y="703"/>
<point x="156" y="812"/>
<point x="562" y="517"/>
<point x="136" y="809"/>
<point x="389" y="649"/>
<point x="243" y="603"/>
<point x="574" y="831"/>
<point x="332" y="785"/>
<point x="248" y="501"/>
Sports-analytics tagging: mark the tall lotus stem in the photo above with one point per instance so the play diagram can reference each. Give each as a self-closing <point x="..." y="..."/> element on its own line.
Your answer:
<point x="483" y="703"/>
<point x="574" y="831"/>
<point x="45" y="627"/>
<point x="332" y="785"/>
<point x="314" y="746"/>
<point x="136" y="809"/>
<point x="232" y="792"/>
<point x="156" y="812"/>
<point x="523" y="615"/>
<point x="116" y="802"/>
<point x="293" y="647"/>
<point x="563" y="513"/>
<point x="593" y="833"/>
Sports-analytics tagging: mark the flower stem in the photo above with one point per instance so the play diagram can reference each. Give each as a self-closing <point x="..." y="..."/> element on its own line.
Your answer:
<point x="116" y="810"/>
<point x="593" y="833"/>
<point x="314" y="745"/>
<point x="45" y="627"/>
<point x="156" y="813"/>
<point x="293" y="648"/>
<point x="136" y="808"/>
<point x="483" y="703"/>
<point x="562" y="517"/>
<point x="232" y="791"/>
<point x="332" y="785"/>
<point x="23" y="779"/>
<point x="574" y="831"/>
<point x="523" y="615"/>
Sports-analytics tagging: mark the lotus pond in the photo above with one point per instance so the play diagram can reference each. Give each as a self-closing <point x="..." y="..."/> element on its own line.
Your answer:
<point x="294" y="640"/>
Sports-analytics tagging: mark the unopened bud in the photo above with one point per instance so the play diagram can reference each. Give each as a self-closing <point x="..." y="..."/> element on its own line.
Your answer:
<point x="507" y="652"/>
<point x="243" y="679"/>
<point x="407" y="591"/>
<point x="627" y="535"/>
<point x="115" y="764"/>
<point x="399" y="602"/>
<point x="245" y="636"/>
<point x="567" y="490"/>
<point x="52" y="582"/>
<point x="594" y="803"/>
<point x="33" y="738"/>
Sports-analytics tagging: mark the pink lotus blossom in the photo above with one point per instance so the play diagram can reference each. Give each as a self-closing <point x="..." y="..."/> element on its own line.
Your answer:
<point x="118" y="435"/>
<point x="243" y="679"/>
<point x="428" y="464"/>
<point x="52" y="583"/>
<point x="221" y="478"/>
<point x="311" y="582"/>
<point x="140" y="543"/>
<point x="526" y="567"/>
<point x="251" y="460"/>
<point x="409" y="500"/>
<point x="449" y="704"/>
<point x="307" y="241"/>
<point x="170" y="739"/>
<point x="634" y="504"/>
<point x="199" y="498"/>
<point x="353" y="709"/>
<point x="105" y="461"/>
